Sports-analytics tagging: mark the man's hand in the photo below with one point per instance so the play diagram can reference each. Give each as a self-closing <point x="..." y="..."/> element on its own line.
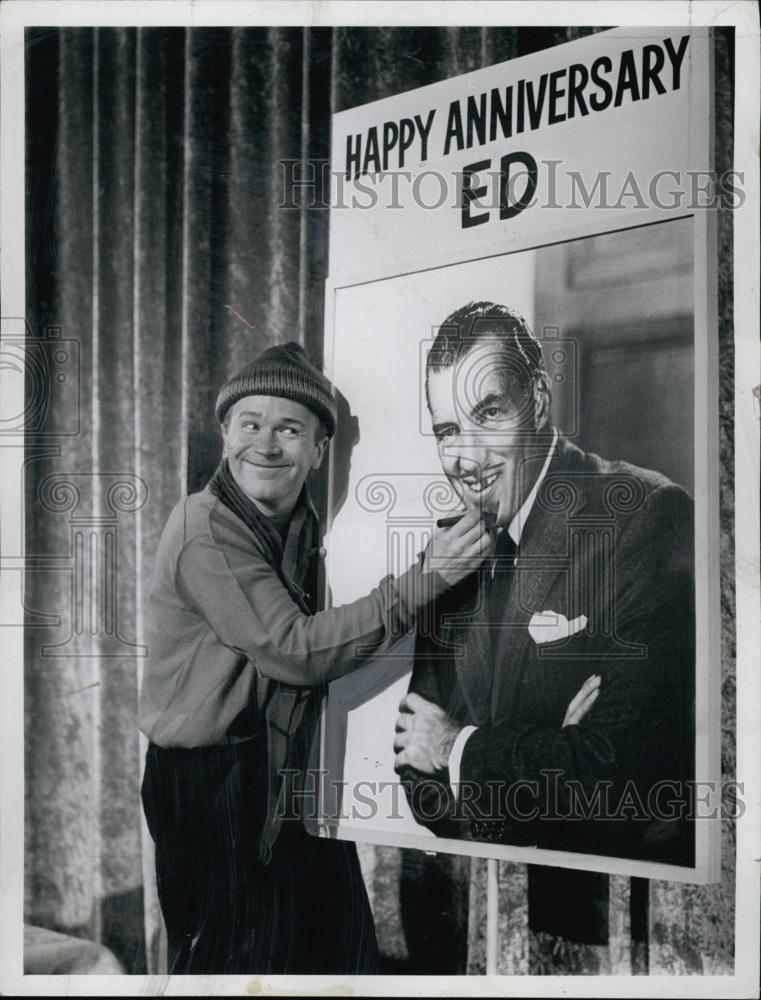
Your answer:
<point x="425" y="735"/>
<point x="457" y="551"/>
<point x="582" y="701"/>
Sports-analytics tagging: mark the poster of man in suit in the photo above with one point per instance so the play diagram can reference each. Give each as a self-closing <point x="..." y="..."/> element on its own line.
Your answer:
<point x="588" y="599"/>
<point x="548" y="368"/>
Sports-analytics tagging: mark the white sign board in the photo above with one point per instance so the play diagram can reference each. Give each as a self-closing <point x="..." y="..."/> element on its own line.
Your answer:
<point x="572" y="187"/>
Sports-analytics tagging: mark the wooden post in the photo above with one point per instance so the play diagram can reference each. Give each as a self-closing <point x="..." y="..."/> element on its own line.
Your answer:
<point x="492" y="915"/>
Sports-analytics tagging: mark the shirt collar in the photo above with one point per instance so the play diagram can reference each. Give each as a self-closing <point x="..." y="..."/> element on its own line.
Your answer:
<point x="518" y="523"/>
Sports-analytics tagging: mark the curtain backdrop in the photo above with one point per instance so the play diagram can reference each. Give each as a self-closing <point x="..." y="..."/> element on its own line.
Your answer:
<point x="160" y="260"/>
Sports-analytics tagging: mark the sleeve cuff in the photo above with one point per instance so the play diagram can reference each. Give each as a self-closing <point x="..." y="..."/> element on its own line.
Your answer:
<point x="455" y="758"/>
<point x="417" y="588"/>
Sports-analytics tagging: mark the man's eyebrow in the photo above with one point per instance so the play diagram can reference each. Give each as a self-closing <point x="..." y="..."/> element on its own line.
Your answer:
<point x="490" y="400"/>
<point x="493" y="399"/>
<point x="439" y="428"/>
<point x="282" y="420"/>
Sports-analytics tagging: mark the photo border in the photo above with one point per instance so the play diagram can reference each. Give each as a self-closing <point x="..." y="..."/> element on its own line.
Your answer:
<point x="14" y="15"/>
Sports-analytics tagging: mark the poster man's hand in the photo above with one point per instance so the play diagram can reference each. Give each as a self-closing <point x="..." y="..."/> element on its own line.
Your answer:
<point x="456" y="551"/>
<point x="425" y="735"/>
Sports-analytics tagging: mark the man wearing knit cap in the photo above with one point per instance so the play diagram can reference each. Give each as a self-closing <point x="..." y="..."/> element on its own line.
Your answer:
<point x="230" y="697"/>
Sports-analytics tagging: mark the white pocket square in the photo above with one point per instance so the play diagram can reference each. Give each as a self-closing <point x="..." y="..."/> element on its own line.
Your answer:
<point x="549" y="626"/>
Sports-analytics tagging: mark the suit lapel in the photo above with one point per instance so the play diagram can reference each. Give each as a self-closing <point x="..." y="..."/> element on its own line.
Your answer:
<point x="535" y="576"/>
<point x="542" y="568"/>
<point x="490" y="642"/>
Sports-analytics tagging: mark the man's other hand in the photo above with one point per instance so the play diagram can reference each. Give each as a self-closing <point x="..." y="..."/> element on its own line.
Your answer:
<point x="425" y="735"/>
<point x="457" y="551"/>
<point x="582" y="701"/>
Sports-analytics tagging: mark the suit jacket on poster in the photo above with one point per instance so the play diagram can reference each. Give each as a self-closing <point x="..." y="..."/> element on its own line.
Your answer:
<point x="607" y="554"/>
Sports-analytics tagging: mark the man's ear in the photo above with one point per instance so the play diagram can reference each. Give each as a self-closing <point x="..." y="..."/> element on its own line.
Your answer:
<point x="542" y="400"/>
<point x="322" y="447"/>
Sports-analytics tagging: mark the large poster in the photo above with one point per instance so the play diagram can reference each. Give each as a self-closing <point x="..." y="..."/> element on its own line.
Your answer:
<point x="521" y="317"/>
<point x="533" y="283"/>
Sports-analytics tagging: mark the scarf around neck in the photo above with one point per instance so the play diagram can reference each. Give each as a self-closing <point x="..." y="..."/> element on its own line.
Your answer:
<point x="292" y="557"/>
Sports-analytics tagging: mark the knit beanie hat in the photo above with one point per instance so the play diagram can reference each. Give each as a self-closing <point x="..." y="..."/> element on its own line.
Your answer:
<point x="284" y="371"/>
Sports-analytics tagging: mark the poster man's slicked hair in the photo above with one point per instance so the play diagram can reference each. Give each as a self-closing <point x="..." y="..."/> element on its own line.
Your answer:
<point x="522" y="362"/>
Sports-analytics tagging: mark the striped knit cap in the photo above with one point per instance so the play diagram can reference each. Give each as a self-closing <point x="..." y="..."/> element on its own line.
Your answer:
<point x="284" y="371"/>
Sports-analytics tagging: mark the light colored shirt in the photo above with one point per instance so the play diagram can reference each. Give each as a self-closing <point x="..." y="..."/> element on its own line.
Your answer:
<point x="515" y="530"/>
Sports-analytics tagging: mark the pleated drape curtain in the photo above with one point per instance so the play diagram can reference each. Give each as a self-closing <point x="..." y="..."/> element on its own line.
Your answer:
<point x="160" y="259"/>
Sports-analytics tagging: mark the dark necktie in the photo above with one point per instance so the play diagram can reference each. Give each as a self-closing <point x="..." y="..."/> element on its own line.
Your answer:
<point x="503" y="560"/>
<point x="483" y="640"/>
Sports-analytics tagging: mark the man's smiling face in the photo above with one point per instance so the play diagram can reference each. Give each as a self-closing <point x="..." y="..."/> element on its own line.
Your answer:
<point x="486" y="419"/>
<point x="272" y="444"/>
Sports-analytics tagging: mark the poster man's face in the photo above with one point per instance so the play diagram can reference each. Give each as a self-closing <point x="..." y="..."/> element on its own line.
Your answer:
<point x="272" y="445"/>
<point x="486" y="430"/>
